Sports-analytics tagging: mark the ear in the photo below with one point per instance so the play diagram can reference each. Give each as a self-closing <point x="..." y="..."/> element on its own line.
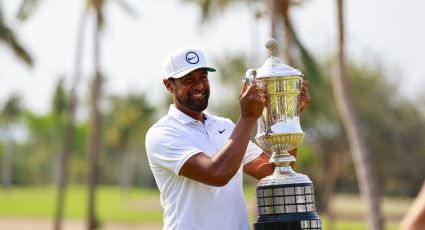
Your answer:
<point x="167" y="84"/>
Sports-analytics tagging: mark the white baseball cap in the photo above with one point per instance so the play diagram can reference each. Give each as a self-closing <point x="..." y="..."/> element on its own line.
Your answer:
<point x="183" y="61"/>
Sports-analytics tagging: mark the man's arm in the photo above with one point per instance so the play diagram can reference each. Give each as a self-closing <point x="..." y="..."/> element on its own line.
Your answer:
<point x="259" y="167"/>
<point x="219" y="169"/>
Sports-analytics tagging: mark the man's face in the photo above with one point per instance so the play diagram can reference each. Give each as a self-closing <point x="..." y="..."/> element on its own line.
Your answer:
<point x="192" y="91"/>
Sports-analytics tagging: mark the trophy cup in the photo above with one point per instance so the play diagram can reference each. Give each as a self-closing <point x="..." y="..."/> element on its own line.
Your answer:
<point x="285" y="199"/>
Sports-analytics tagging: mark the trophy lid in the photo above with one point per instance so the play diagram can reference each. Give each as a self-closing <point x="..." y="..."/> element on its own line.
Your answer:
<point x="274" y="67"/>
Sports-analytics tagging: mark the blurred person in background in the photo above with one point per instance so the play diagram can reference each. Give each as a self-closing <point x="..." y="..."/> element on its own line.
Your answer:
<point x="415" y="216"/>
<point x="198" y="159"/>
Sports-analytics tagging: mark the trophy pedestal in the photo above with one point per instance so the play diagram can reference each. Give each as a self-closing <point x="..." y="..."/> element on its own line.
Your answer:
<point x="286" y="202"/>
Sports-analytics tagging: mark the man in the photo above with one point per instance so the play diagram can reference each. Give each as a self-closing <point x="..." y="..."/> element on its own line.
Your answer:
<point x="198" y="159"/>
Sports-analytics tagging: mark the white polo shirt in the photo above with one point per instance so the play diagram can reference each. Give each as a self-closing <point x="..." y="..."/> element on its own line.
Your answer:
<point x="188" y="204"/>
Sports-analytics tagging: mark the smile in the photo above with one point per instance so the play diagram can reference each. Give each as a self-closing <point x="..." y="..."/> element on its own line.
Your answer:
<point x="198" y="94"/>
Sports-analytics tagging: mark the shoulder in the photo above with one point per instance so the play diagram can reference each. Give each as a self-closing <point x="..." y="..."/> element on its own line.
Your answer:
<point x="222" y="120"/>
<point x="166" y="126"/>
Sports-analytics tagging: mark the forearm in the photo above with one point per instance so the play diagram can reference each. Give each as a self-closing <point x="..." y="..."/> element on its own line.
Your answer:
<point x="260" y="167"/>
<point x="220" y="168"/>
<point x="229" y="158"/>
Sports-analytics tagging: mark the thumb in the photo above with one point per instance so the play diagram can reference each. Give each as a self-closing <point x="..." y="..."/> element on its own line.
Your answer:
<point x="244" y="87"/>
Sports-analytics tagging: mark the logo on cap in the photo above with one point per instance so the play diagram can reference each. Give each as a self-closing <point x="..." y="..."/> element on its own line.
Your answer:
<point x="192" y="57"/>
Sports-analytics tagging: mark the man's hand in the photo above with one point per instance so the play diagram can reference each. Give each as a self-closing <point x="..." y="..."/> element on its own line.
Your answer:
<point x="305" y="95"/>
<point x="252" y="102"/>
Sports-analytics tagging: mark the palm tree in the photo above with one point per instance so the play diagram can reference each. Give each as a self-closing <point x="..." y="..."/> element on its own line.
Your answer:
<point x="58" y="112"/>
<point x="11" y="111"/>
<point x="350" y="121"/>
<point x="95" y="119"/>
<point x="128" y="115"/>
<point x="26" y="8"/>
<point x="12" y="108"/>
<point x="95" y="123"/>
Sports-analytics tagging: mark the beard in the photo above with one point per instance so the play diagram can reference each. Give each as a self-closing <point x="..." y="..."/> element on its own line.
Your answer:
<point x="195" y="104"/>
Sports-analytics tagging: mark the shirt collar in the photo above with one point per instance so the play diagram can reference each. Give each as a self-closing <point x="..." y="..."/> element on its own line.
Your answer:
<point x="185" y="119"/>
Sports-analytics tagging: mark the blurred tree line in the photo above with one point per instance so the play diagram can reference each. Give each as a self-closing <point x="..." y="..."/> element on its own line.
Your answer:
<point x="393" y="126"/>
<point x="33" y="147"/>
<point x="31" y="143"/>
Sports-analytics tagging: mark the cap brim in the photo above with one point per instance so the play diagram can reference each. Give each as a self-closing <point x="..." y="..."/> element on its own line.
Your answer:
<point x="187" y="71"/>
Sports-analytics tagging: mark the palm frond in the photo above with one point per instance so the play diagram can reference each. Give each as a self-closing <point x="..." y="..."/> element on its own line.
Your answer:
<point x="310" y="65"/>
<point x="126" y="7"/>
<point x="8" y="37"/>
<point x="12" y="107"/>
<point x="210" y="7"/>
<point x="26" y="9"/>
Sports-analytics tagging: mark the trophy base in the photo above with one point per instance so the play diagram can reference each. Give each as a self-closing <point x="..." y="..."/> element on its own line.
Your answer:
<point x="284" y="175"/>
<point x="289" y="222"/>
<point x="286" y="201"/>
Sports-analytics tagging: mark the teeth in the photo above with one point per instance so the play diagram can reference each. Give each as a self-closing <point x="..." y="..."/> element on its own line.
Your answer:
<point x="197" y="94"/>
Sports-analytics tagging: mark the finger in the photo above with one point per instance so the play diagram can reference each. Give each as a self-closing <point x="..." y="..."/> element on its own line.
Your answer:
<point x="252" y="90"/>
<point x="305" y="96"/>
<point x="305" y="89"/>
<point x="305" y="92"/>
<point x="244" y="87"/>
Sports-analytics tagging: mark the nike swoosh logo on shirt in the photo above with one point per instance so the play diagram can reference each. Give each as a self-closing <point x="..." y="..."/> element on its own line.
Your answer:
<point x="221" y="131"/>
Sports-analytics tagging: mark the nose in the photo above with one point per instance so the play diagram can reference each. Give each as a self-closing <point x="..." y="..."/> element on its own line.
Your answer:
<point x="198" y="84"/>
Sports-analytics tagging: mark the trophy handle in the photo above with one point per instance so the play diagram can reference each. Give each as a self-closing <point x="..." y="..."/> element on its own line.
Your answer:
<point x="250" y="76"/>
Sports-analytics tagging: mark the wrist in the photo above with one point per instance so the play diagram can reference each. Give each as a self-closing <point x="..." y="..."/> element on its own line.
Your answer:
<point x="247" y="120"/>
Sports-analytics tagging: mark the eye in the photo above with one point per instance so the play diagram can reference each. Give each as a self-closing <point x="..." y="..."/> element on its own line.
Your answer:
<point x="204" y="78"/>
<point x="187" y="80"/>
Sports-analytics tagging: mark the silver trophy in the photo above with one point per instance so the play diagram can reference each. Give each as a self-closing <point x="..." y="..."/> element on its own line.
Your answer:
<point x="285" y="199"/>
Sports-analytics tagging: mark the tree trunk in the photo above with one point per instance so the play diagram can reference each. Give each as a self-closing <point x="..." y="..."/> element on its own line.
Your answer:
<point x="94" y="143"/>
<point x="358" y="146"/>
<point x="70" y="128"/>
<point x="280" y="17"/>
<point x="64" y="167"/>
<point x="93" y="155"/>
<point x="126" y="168"/>
<point x="7" y="159"/>
<point x="288" y="31"/>
<point x="334" y="160"/>
<point x="273" y="21"/>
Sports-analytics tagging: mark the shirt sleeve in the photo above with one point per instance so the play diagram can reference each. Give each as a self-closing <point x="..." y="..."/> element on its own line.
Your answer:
<point x="167" y="148"/>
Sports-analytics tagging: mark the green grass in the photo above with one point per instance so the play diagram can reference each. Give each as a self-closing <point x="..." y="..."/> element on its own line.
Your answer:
<point x="142" y="206"/>
<point x="113" y="204"/>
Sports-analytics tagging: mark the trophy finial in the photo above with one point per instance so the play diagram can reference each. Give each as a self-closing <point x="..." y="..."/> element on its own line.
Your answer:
<point x="271" y="45"/>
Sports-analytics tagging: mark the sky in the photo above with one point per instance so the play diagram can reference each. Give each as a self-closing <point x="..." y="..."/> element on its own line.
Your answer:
<point x="387" y="33"/>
